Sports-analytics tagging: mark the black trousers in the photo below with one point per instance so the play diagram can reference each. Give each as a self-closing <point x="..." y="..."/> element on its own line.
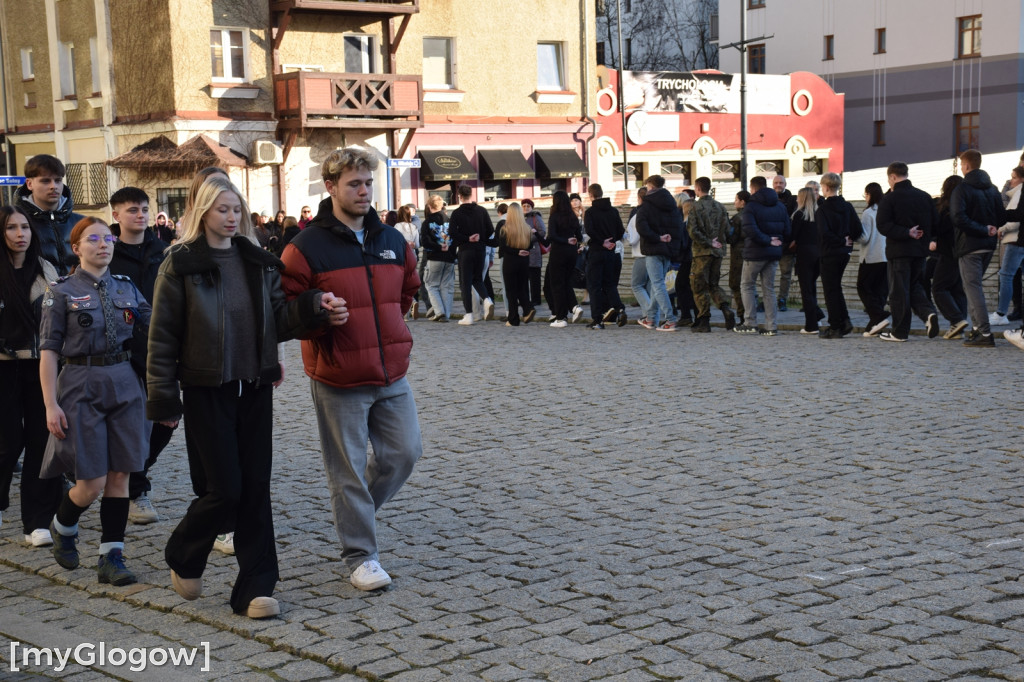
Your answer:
<point x="603" y="267"/>
<point x="228" y="437"/>
<point x="948" y="290"/>
<point x="808" y="269"/>
<point x="516" y="271"/>
<point x="873" y="290"/>
<point x="832" y="269"/>
<point x="907" y="293"/>
<point x="23" y="427"/>
<point x="561" y="262"/>
<point x="471" y="275"/>
<point x="535" y="289"/>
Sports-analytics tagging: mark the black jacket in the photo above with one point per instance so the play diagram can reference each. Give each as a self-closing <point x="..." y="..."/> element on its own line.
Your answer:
<point x="837" y="223"/>
<point x="602" y="221"/>
<point x="186" y="340"/>
<point x="901" y="208"/>
<point x="788" y="200"/>
<point x="944" y="235"/>
<point x="53" y="228"/>
<point x="974" y="205"/>
<point x="659" y="215"/>
<point x="805" y="234"/>
<point x="142" y="269"/>
<point x="467" y="220"/>
<point x="432" y="230"/>
<point x="763" y="218"/>
<point x="561" y="228"/>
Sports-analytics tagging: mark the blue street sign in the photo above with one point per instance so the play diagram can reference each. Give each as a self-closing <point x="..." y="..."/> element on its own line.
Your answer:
<point x="403" y="163"/>
<point x="12" y="180"/>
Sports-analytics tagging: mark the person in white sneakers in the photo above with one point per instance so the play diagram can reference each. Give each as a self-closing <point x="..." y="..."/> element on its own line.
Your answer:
<point x="470" y="228"/>
<point x="1012" y="253"/>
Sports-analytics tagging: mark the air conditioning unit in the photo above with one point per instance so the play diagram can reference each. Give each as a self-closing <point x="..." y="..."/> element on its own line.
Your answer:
<point x="266" y="152"/>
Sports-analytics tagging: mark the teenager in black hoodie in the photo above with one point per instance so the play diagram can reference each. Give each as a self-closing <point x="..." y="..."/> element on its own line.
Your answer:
<point x="603" y="225"/>
<point x="838" y="226"/>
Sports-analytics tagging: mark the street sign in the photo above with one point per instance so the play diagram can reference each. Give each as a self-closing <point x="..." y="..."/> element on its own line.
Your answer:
<point x="403" y="163"/>
<point x="12" y="180"/>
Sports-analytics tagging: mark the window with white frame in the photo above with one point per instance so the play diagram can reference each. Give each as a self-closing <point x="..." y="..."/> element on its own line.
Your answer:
<point x="227" y="54"/>
<point x="359" y="53"/>
<point x="94" y="57"/>
<point x="439" y="63"/>
<point x="66" y="62"/>
<point x="28" y="69"/>
<point x="550" y="67"/>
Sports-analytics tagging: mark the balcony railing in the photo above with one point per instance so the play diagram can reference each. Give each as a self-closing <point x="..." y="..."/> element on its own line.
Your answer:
<point x="306" y="99"/>
<point x="392" y="7"/>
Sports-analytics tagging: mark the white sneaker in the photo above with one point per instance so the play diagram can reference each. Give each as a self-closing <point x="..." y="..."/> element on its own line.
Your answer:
<point x="558" y="324"/>
<point x="40" y="537"/>
<point x="466" y="319"/>
<point x="577" y="313"/>
<point x="488" y="309"/>
<point x="997" y="320"/>
<point x="225" y="543"/>
<point x="1016" y="337"/>
<point x="370" y="576"/>
<point x="140" y="510"/>
<point x="877" y="328"/>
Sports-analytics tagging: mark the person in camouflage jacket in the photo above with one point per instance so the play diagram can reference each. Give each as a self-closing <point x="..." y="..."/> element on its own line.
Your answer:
<point x="708" y="226"/>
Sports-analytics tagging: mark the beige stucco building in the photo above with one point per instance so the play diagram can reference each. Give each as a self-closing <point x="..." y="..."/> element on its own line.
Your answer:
<point x="144" y="92"/>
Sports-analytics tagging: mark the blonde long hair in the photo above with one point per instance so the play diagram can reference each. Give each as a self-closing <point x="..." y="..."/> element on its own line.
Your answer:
<point x="517" y="232"/>
<point x="805" y="202"/>
<point x="192" y="223"/>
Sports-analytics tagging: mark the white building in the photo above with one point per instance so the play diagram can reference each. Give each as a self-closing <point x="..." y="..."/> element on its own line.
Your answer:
<point x="923" y="79"/>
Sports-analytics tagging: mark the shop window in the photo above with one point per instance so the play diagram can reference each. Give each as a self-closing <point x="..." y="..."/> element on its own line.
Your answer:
<point x="969" y="36"/>
<point x="227" y="54"/>
<point x="755" y="58"/>
<point x="967" y="126"/>
<point x="549" y="187"/>
<point x="498" y="189"/>
<point x="445" y="190"/>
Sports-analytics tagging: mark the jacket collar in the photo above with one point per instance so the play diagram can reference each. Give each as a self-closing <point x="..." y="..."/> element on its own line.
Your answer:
<point x="61" y="213"/>
<point x="326" y="219"/>
<point x="195" y="257"/>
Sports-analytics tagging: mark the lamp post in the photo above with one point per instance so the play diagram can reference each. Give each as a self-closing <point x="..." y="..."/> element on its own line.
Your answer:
<point x="622" y="101"/>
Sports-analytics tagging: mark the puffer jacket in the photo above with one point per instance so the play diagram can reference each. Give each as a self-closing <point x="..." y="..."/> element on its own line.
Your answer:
<point x="974" y="205"/>
<point x="186" y="340"/>
<point x="659" y="215"/>
<point x="763" y="218"/>
<point x="53" y="228"/>
<point x="377" y="279"/>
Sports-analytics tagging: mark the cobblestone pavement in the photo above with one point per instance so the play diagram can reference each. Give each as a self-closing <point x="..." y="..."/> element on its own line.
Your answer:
<point x="621" y="505"/>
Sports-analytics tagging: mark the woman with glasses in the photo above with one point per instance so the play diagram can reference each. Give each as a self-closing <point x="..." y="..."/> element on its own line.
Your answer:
<point x="96" y="408"/>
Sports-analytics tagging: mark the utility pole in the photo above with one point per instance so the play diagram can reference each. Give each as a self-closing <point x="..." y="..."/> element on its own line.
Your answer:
<point x="741" y="45"/>
<point x="622" y="102"/>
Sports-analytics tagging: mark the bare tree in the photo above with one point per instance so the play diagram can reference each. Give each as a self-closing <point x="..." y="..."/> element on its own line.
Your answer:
<point x="666" y="35"/>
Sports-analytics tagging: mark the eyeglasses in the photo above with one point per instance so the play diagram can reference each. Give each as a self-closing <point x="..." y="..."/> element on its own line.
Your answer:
<point x="95" y="238"/>
<point x="306" y="210"/>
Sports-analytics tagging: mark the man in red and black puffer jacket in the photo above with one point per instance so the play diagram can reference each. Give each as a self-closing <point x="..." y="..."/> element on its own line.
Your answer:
<point x="359" y="367"/>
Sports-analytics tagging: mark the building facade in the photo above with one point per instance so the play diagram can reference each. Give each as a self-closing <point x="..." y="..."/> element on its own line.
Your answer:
<point x="923" y="79"/>
<point x="145" y="92"/>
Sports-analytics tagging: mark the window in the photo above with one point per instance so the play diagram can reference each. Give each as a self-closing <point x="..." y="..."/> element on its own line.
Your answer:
<point x="830" y="48"/>
<point x="497" y="189"/>
<point x="679" y="171"/>
<point x="629" y="54"/>
<point x="635" y="170"/>
<point x="769" y="169"/>
<point x="88" y="183"/>
<point x="438" y="64"/>
<point x="171" y="200"/>
<point x="713" y="30"/>
<point x="879" y="41"/>
<point x="600" y="52"/>
<point x="755" y="4"/>
<point x="359" y="54"/>
<point x="967" y="126"/>
<point x="814" y="166"/>
<point x="725" y="171"/>
<point x="969" y="36"/>
<point x="627" y="6"/>
<point x="755" y="58"/>
<point x="549" y="187"/>
<point x="550" y="69"/>
<point x="94" y="58"/>
<point x="28" y="69"/>
<point x="879" y="134"/>
<point x="30" y="100"/>
<point x="66" y="62"/>
<point x="227" y="54"/>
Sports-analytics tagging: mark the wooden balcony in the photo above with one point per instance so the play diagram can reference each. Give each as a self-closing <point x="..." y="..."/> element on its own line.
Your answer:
<point x="379" y="7"/>
<point x="306" y="99"/>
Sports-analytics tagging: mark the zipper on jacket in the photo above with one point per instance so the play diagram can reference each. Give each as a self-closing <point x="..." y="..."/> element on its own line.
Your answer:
<point x="376" y="316"/>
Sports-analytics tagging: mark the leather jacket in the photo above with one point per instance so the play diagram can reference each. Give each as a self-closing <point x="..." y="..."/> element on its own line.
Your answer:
<point x="186" y="340"/>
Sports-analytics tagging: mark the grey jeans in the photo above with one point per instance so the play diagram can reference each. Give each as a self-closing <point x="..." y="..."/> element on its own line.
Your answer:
<point x="972" y="270"/>
<point x="765" y="271"/>
<point x="348" y="419"/>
